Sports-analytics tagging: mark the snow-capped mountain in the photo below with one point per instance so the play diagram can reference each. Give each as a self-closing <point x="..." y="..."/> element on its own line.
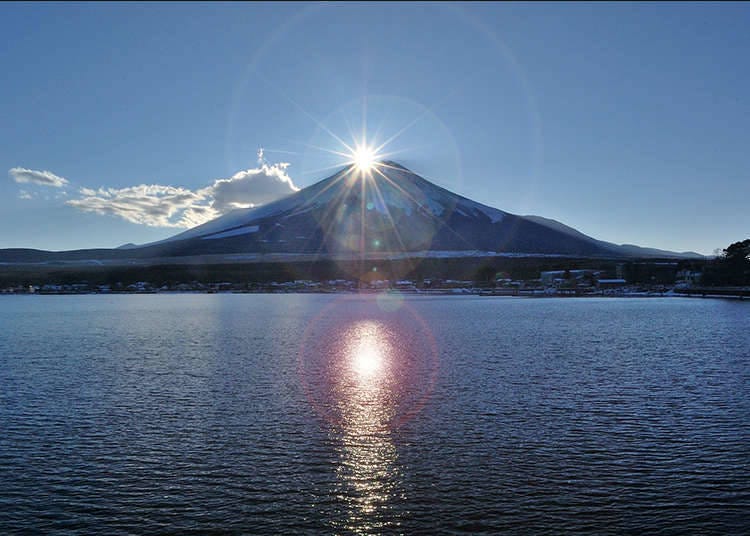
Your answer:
<point x="389" y="211"/>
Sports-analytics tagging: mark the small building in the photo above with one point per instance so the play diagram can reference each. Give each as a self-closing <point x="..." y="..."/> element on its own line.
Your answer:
<point x="688" y="278"/>
<point x="611" y="283"/>
<point x="405" y="284"/>
<point x="556" y="278"/>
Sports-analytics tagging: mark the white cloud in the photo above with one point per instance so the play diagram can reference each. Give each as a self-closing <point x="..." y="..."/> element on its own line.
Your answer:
<point x="23" y="194"/>
<point x="196" y="215"/>
<point x="153" y="205"/>
<point x="252" y="187"/>
<point x="33" y="176"/>
<point x="167" y="206"/>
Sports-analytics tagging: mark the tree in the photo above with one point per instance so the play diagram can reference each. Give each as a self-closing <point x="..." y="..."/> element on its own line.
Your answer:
<point x="738" y="252"/>
<point x="730" y="268"/>
<point x="485" y="275"/>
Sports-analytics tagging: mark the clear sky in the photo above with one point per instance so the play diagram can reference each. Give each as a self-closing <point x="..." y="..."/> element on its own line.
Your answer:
<point x="629" y="122"/>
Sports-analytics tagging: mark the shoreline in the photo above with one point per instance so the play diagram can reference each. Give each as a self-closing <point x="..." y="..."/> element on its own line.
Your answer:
<point x="709" y="293"/>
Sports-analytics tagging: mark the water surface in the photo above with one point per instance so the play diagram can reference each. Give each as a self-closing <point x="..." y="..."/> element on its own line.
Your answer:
<point x="339" y="414"/>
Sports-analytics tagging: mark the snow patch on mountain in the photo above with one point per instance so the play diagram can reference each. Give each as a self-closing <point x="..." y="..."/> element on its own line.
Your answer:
<point x="233" y="232"/>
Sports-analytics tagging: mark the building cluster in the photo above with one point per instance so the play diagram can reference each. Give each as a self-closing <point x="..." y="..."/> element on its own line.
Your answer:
<point x="560" y="282"/>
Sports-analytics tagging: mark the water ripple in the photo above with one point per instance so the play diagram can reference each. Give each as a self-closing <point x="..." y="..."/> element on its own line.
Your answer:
<point x="316" y="414"/>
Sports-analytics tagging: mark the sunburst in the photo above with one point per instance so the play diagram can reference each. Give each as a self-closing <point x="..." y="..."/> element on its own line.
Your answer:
<point x="364" y="158"/>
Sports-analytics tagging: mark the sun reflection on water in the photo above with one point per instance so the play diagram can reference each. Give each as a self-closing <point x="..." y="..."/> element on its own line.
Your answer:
<point x="368" y="473"/>
<point x="367" y="356"/>
<point x="368" y="366"/>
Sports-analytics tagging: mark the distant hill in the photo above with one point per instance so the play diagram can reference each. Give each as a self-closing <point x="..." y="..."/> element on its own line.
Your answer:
<point x="630" y="250"/>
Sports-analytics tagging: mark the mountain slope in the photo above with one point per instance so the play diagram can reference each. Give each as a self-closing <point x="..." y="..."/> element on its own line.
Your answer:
<point x="625" y="249"/>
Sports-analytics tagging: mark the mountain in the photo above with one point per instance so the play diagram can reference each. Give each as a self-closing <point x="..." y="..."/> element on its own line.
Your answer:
<point x="625" y="249"/>
<point x="388" y="212"/>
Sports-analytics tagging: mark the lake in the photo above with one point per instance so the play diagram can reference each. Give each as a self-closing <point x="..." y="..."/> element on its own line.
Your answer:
<point x="266" y="414"/>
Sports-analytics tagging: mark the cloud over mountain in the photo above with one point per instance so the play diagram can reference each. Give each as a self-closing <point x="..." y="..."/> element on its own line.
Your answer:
<point x="153" y="205"/>
<point x="168" y="206"/>
<point x="33" y="176"/>
<point x="252" y="187"/>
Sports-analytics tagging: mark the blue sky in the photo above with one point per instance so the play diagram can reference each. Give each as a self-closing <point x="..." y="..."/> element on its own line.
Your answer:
<point x="628" y="122"/>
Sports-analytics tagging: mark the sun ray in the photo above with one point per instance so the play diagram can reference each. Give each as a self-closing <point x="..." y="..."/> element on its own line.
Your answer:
<point x="342" y="176"/>
<point x="363" y="192"/>
<point x="429" y="213"/>
<point x="309" y="201"/>
<point x="327" y="219"/>
<point x="323" y="127"/>
<point x="318" y="148"/>
<point x="314" y="119"/>
<point x="320" y="170"/>
<point x="280" y="151"/>
<point x="377" y="191"/>
<point x="363" y="135"/>
<point x="417" y="119"/>
<point x="406" y="127"/>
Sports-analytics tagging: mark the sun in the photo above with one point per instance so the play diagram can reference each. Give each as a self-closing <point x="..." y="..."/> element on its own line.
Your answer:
<point x="364" y="158"/>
